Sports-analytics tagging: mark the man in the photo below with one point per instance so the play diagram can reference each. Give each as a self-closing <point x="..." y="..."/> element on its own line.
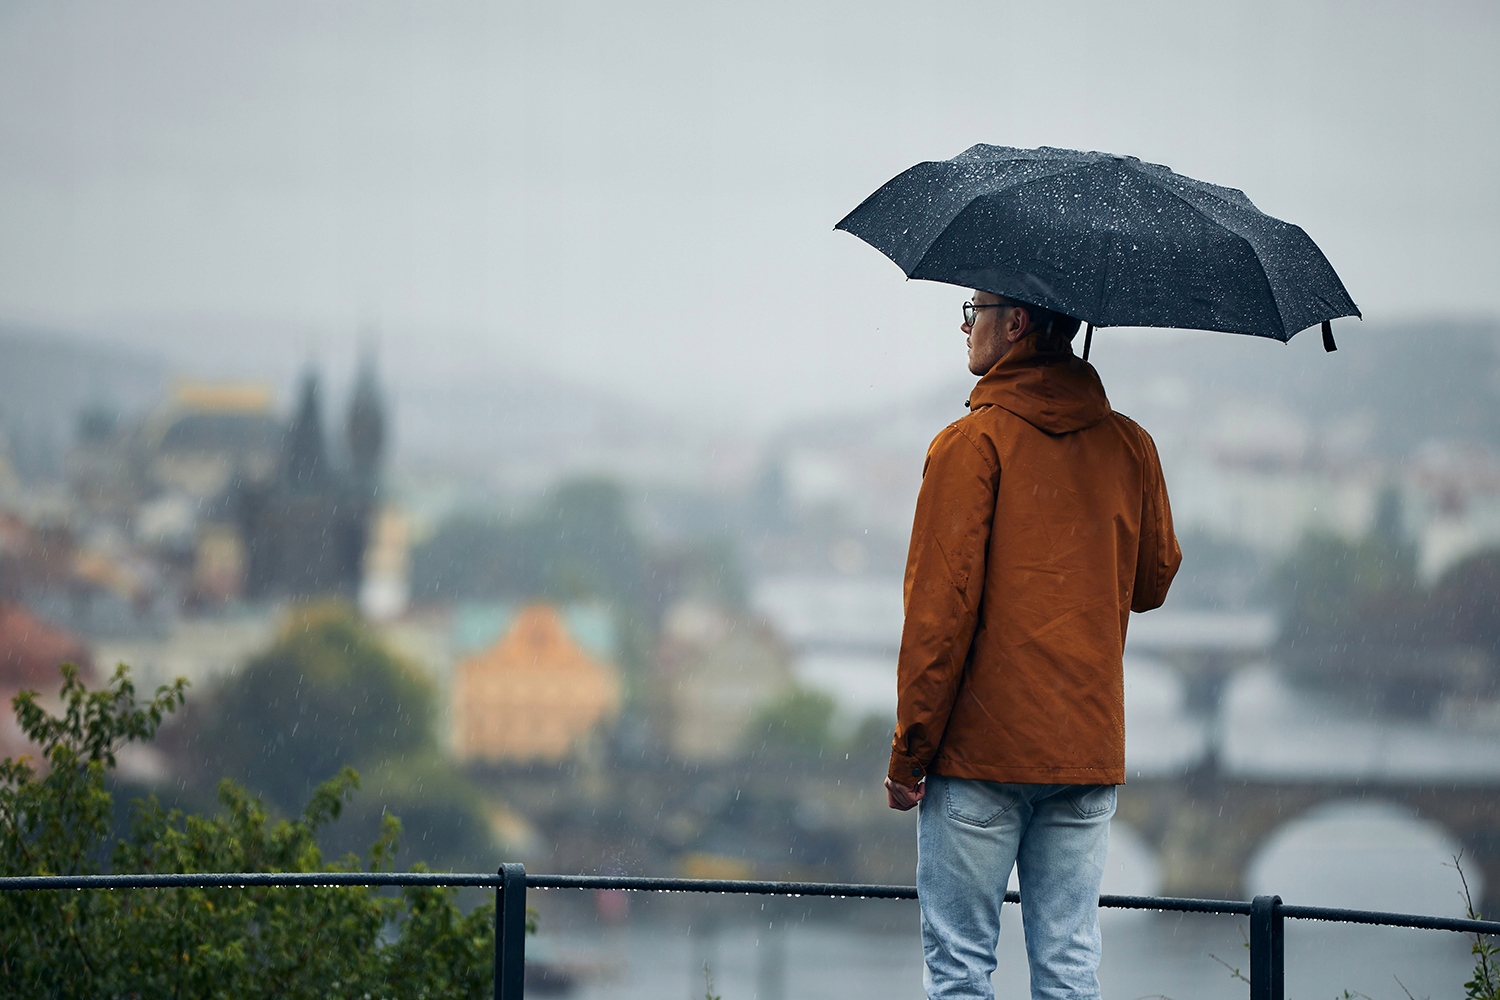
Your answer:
<point x="1041" y="524"/>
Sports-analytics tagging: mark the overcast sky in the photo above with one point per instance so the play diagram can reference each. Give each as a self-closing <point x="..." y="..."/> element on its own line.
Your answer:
<point x="642" y="196"/>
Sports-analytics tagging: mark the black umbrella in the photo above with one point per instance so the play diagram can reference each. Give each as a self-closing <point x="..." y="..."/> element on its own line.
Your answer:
<point x="1108" y="239"/>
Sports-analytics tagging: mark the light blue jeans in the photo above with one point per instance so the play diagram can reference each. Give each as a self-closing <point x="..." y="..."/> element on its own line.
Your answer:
<point x="969" y="833"/>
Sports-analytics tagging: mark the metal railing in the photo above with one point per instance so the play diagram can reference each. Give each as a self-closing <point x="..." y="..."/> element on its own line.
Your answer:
<point x="1268" y="914"/>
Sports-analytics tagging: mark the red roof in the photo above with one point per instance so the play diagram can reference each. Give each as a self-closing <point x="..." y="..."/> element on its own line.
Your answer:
<point x="31" y="649"/>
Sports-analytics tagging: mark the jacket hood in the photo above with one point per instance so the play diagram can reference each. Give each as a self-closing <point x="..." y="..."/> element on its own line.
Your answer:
<point x="1057" y="393"/>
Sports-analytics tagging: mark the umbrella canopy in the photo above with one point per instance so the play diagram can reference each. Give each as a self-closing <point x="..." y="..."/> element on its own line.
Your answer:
<point x="1108" y="239"/>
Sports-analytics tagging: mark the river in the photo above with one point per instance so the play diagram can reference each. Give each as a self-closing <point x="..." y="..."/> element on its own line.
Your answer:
<point x="1356" y="854"/>
<point x="1363" y="855"/>
<point x="813" y="956"/>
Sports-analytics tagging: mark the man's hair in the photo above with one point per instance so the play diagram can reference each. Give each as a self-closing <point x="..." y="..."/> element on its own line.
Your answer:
<point x="1054" y="330"/>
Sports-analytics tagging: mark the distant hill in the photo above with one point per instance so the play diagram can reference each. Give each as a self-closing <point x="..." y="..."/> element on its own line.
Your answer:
<point x="515" y="429"/>
<point x="508" y="426"/>
<point x="1412" y="381"/>
<point x="479" y="416"/>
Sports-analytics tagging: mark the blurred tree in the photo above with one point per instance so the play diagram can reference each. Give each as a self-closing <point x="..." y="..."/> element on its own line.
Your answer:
<point x="469" y="556"/>
<point x="871" y="739"/>
<point x="444" y="817"/>
<point x="1466" y="603"/>
<point x="1333" y="587"/>
<point x="326" y="695"/>
<point x="798" y="726"/>
<point x="1356" y="621"/>
<point x="578" y="543"/>
<point x="594" y="551"/>
<point x="769" y="507"/>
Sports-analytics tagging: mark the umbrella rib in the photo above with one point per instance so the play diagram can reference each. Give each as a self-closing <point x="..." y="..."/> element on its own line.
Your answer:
<point x="1260" y="265"/>
<point x="970" y="204"/>
<point x="1047" y="175"/>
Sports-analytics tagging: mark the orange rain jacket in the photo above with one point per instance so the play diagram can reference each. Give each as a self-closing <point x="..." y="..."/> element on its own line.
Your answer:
<point x="1041" y="524"/>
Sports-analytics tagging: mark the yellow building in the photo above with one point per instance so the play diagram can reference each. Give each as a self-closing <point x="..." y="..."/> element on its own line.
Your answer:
<point x="535" y="694"/>
<point x="209" y="433"/>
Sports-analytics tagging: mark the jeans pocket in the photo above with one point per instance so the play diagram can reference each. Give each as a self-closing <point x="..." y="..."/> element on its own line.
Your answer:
<point x="1093" y="801"/>
<point x="977" y="803"/>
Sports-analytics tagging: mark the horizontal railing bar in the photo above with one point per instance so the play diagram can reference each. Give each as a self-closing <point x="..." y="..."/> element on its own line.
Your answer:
<point x="242" y="880"/>
<point x="1389" y="919"/>
<point x="639" y="883"/>
<point x="1173" y="904"/>
<point x="648" y="884"/>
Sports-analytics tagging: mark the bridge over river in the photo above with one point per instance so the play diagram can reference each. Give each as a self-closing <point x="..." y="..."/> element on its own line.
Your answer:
<point x="1221" y="751"/>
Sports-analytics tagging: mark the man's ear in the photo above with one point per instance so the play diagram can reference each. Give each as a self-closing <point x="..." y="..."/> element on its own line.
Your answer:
<point x="1017" y="323"/>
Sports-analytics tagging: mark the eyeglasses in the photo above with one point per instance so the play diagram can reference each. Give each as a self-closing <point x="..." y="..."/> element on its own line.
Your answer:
<point x="971" y="310"/>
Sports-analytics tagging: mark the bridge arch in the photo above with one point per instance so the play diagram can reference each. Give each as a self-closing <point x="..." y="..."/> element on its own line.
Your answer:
<point x="1206" y="827"/>
<point x="1362" y="853"/>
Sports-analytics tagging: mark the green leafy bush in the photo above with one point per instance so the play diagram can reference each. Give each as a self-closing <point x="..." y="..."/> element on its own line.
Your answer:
<point x="259" y="942"/>
<point x="1485" y="983"/>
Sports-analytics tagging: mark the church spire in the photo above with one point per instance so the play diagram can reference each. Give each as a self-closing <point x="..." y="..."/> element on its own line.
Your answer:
<point x="367" y="425"/>
<point x="304" y="456"/>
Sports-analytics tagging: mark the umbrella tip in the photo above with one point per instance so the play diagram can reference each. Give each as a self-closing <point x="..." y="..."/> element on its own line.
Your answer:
<point x="1328" y="344"/>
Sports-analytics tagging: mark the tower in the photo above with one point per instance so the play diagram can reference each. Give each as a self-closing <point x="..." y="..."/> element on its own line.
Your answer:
<point x="304" y="455"/>
<point x="306" y="530"/>
<point x="366" y="427"/>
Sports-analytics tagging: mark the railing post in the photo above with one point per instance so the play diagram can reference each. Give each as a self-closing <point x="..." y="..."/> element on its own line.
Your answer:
<point x="1267" y="949"/>
<point x="510" y="933"/>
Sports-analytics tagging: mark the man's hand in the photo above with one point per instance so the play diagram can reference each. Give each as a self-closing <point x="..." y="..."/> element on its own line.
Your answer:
<point x="898" y="796"/>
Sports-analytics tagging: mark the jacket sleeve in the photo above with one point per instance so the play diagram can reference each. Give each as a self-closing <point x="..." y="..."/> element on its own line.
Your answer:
<point x="945" y="570"/>
<point x="1160" y="555"/>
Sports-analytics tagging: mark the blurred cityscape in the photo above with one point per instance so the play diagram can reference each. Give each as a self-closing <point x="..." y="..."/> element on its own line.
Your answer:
<point x="554" y="627"/>
<point x="479" y="396"/>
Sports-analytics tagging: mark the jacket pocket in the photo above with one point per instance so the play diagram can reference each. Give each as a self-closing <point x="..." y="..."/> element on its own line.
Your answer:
<point x="1093" y="801"/>
<point x="978" y="803"/>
